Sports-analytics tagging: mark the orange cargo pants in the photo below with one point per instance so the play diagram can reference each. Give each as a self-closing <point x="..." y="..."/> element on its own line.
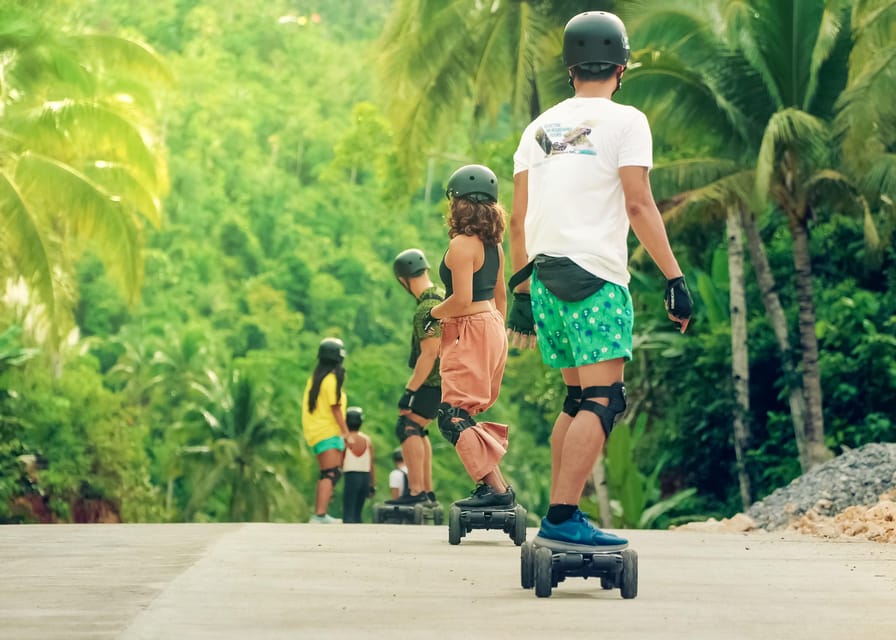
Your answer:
<point x="473" y="355"/>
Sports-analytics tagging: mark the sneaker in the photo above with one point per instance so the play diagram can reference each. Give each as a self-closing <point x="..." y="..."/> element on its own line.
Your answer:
<point x="409" y="499"/>
<point x="431" y="497"/>
<point x="484" y="496"/>
<point x="578" y="532"/>
<point x="324" y="519"/>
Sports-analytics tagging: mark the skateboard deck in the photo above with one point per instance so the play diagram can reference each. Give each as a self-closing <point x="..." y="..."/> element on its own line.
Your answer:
<point x="408" y="513"/>
<point x="510" y="520"/>
<point x="546" y="563"/>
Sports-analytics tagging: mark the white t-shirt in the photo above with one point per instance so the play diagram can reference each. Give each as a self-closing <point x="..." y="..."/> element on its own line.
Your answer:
<point x="573" y="152"/>
<point x="397" y="478"/>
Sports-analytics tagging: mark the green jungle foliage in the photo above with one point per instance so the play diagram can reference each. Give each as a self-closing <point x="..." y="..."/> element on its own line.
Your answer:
<point x="153" y="349"/>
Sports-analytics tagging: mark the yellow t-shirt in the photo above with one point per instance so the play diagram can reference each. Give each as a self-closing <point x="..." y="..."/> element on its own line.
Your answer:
<point x="320" y="424"/>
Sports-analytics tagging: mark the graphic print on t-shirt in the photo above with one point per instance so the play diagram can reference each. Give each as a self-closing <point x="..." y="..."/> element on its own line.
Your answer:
<point x="555" y="138"/>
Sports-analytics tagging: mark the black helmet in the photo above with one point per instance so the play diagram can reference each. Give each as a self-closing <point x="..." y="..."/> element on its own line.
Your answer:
<point x="474" y="182"/>
<point x="331" y="350"/>
<point x="397" y="455"/>
<point x="354" y="416"/>
<point x="410" y="263"/>
<point x="596" y="37"/>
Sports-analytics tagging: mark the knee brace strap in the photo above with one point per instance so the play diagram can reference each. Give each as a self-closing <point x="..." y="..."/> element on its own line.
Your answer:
<point x="453" y="420"/>
<point x="573" y="400"/>
<point x="405" y="428"/>
<point x="607" y="414"/>
<point x="332" y="474"/>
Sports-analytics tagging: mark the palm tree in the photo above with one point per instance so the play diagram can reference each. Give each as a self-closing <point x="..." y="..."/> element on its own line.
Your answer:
<point x="81" y="158"/>
<point x="244" y="449"/>
<point x="461" y="62"/>
<point x="776" y="72"/>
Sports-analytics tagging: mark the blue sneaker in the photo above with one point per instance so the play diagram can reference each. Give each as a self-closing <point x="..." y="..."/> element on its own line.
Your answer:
<point x="578" y="533"/>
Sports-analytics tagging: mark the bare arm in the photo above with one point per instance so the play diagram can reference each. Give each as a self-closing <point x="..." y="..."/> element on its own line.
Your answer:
<point x="518" y="256"/>
<point x="340" y="420"/>
<point x="429" y="351"/>
<point x="646" y="221"/>
<point x="372" y="465"/>
<point x="500" y="287"/>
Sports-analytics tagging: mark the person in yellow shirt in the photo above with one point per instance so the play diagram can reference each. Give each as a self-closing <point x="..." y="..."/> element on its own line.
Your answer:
<point x="323" y="422"/>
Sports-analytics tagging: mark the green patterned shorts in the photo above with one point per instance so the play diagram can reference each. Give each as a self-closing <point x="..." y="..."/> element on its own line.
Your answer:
<point x="573" y="334"/>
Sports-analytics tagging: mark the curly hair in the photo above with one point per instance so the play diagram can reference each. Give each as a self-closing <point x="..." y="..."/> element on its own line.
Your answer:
<point x="485" y="220"/>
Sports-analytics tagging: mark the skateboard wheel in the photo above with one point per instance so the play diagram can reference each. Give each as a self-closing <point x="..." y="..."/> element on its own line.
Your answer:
<point x="519" y="525"/>
<point x="544" y="579"/>
<point x="527" y="565"/>
<point x="438" y="516"/>
<point x="607" y="582"/>
<point x="377" y="513"/>
<point x="454" y="533"/>
<point x="629" y="586"/>
<point x="418" y="514"/>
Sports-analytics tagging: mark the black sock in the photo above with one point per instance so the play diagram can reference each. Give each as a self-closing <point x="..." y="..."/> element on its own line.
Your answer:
<point x="558" y="513"/>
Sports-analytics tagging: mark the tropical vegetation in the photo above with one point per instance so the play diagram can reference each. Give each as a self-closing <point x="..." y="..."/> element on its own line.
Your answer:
<point x="193" y="194"/>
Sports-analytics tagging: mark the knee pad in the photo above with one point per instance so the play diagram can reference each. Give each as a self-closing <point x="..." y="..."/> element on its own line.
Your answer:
<point x="332" y="474"/>
<point x="573" y="400"/>
<point x="453" y="420"/>
<point x="607" y="414"/>
<point x="405" y="428"/>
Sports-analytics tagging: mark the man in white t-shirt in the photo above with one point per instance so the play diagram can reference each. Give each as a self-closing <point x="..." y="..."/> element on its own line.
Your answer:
<point x="580" y="181"/>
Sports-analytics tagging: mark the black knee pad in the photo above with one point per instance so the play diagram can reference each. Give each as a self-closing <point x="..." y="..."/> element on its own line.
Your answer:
<point x="573" y="400"/>
<point x="332" y="474"/>
<point x="607" y="414"/>
<point x="453" y="420"/>
<point x="405" y="428"/>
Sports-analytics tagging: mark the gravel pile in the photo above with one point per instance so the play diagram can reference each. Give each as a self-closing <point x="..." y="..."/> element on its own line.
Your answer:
<point x="857" y="477"/>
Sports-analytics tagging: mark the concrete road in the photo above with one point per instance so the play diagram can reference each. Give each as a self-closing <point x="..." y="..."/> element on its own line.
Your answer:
<point x="405" y="582"/>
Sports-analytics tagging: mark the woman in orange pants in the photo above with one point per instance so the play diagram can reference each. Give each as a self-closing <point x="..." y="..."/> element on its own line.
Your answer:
<point x="474" y="341"/>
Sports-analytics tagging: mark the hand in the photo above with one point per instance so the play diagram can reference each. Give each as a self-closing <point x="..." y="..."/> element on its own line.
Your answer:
<point x="429" y="323"/>
<point x="678" y="302"/>
<point x="371" y="491"/>
<point x="520" y="323"/>
<point x="406" y="400"/>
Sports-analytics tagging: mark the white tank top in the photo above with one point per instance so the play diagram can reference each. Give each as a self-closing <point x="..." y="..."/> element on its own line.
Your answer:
<point x="357" y="463"/>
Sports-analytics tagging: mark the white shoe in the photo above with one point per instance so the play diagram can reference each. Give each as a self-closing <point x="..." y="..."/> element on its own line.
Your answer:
<point x="324" y="519"/>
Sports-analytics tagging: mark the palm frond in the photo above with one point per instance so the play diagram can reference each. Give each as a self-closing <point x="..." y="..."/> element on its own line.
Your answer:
<point x="118" y="55"/>
<point x="795" y="131"/>
<point x="671" y="178"/>
<point x="20" y="235"/>
<point x="88" y="128"/>
<point x="90" y="212"/>
<point x="829" y="34"/>
<point x="118" y="180"/>
<point x="880" y="179"/>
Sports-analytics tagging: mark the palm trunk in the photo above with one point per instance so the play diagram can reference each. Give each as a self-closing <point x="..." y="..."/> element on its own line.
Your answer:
<point x="817" y="452"/>
<point x="740" y="367"/>
<point x="778" y="320"/>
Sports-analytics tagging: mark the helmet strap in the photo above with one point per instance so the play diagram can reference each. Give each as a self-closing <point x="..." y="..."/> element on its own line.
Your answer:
<point x="619" y="73"/>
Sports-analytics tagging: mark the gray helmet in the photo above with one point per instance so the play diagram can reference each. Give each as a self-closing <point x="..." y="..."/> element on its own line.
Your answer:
<point x="595" y="37"/>
<point x="410" y="263"/>
<point x="473" y="182"/>
<point x="354" y="416"/>
<point x="331" y="350"/>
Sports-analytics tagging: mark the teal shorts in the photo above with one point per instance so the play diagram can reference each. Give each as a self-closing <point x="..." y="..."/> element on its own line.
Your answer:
<point x="333" y="442"/>
<point x="574" y="334"/>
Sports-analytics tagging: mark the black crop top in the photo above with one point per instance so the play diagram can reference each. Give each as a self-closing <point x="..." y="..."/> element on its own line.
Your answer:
<point x="484" y="280"/>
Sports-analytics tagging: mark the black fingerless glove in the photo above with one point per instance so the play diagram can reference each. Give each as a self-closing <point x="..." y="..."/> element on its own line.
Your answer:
<point x="406" y="400"/>
<point x="520" y="317"/>
<point x="678" y="299"/>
